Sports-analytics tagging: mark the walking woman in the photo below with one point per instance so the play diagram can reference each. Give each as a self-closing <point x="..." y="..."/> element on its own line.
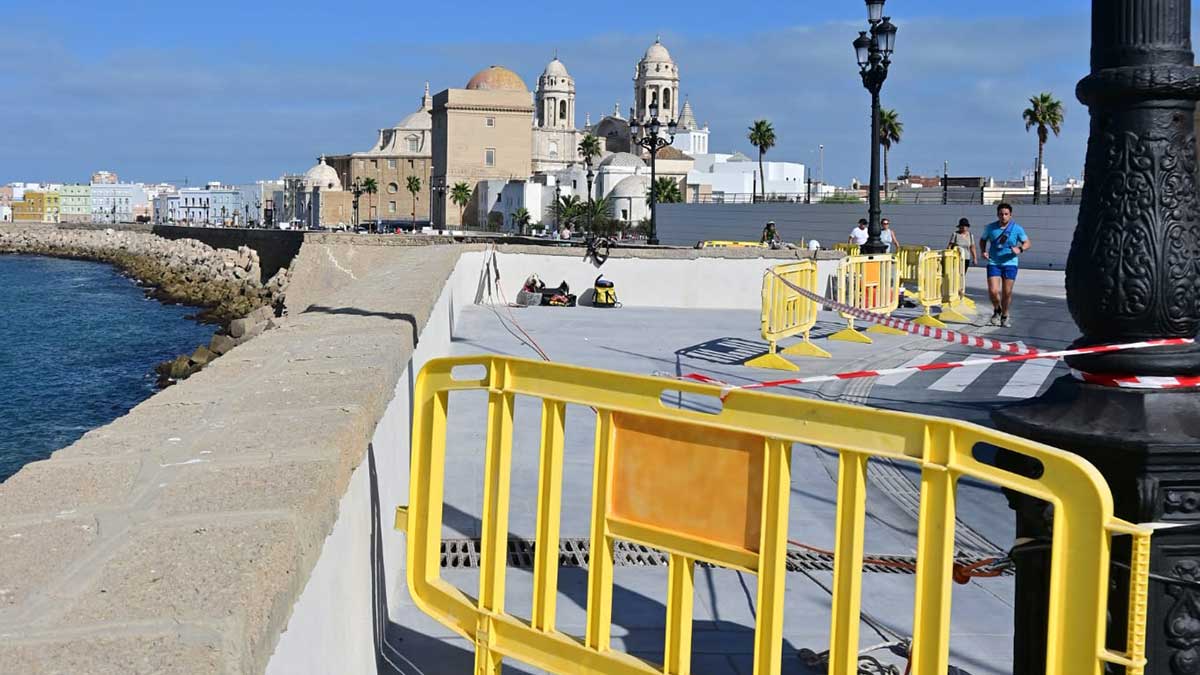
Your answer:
<point x="965" y="242"/>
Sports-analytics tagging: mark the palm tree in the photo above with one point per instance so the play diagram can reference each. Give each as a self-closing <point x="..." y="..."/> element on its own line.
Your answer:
<point x="460" y="194"/>
<point x="1046" y="113"/>
<point x="414" y="186"/>
<point x="589" y="148"/>
<point x="521" y="219"/>
<point x="371" y="187"/>
<point x="666" y="191"/>
<point x="762" y="136"/>
<point x="597" y="212"/>
<point x="568" y="210"/>
<point x="890" y="129"/>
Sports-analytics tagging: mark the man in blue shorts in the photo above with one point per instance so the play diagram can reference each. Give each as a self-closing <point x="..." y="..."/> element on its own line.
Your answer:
<point x="1001" y="244"/>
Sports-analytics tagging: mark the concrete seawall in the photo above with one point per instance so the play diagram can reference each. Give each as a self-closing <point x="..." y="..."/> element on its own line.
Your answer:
<point x="240" y="521"/>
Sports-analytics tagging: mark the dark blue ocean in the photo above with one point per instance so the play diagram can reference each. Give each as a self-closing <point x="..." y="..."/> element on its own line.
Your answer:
<point x="78" y="346"/>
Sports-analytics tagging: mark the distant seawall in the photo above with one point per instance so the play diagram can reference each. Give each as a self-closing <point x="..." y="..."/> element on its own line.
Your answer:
<point x="1050" y="227"/>
<point x="276" y="249"/>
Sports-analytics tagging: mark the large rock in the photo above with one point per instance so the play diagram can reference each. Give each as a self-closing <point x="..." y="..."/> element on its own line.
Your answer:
<point x="221" y="344"/>
<point x="239" y="327"/>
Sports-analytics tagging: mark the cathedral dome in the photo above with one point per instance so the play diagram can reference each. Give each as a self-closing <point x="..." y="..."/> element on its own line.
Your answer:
<point x="497" y="78"/>
<point x="420" y="120"/>
<point x="657" y="54"/>
<point x="555" y="69"/>
<point x="322" y="176"/>
<point x="631" y="186"/>
<point x="623" y="160"/>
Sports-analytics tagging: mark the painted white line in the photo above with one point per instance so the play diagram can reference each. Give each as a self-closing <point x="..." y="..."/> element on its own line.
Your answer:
<point x="958" y="379"/>
<point x="918" y="360"/>
<point x="1028" y="379"/>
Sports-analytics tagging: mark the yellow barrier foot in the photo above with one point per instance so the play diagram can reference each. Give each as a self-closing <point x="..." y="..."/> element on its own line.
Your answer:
<point x="401" y="522"/>
<point x="772" y="362"/>
<point x="885" y="330"/>
<point x="970" y="304"/>
<point x="928" y="320"/>
<point x="806" y="348"/>
<point x="850" y="335"/>
<point x="952" y="315"/>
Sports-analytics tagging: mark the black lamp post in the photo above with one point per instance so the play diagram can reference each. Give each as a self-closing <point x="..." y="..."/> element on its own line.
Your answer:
<point x="557" y="208"/>
<point x="356" y="189"/>
<point x="437" y="195"/>
<point x="651" y="138"/>
<point x="1131" y="275"/>
<point x="874" y="54"/>
<point x="590" y="175"/>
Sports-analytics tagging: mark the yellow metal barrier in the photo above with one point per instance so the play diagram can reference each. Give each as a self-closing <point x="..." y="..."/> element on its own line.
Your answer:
<point x="786" y="313"/>
<point x="937" y="275"/>
<point x="718" y="243"/>
<point x="847" y="248"/>
<point x="955" y="287"/>
<point x="714" y="488"/>
<point x="870" y="282"/>
<point x="909" y="258"/>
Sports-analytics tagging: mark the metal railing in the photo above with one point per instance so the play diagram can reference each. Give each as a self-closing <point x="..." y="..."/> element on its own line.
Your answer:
<point x="715" y="488"/>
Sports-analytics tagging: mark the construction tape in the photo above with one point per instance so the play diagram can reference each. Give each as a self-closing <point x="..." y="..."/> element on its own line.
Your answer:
<point x="945" y="365"/>
<point x="1139" y="381"/>
<point x="943" y="334"/>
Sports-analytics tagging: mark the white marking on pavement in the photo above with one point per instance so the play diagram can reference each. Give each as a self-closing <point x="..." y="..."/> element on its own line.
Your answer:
<point x="1028" y="378"/>
<point x="918" y="360"/>
<point x="958" y="379"/>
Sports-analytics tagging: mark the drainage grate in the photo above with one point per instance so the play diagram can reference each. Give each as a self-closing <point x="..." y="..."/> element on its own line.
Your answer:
<point x="574" y="553"/>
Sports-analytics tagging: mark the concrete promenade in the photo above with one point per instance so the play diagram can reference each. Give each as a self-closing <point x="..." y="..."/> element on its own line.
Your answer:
<point x="240" y="521"/>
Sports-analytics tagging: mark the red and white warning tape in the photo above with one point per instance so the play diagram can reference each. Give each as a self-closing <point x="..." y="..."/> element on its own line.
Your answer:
<point x="944" y="334"/>
<point x="1100" y="349"/>
<point x="1140" y="381"/>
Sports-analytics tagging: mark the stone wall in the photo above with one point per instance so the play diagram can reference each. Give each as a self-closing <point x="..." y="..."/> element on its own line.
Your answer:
<point x="275" y="248"/>
<point x="227" y="283"/>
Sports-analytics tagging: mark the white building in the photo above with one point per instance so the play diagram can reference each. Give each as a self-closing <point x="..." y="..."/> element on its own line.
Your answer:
<point x="117" y="202"/>
<point x="166" y="207"/>
<point x="735" y="178"/>
<point x="691" y="138"/>
<point x="5" y="213"/>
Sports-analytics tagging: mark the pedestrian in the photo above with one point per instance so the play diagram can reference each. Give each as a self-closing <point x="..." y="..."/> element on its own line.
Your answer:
<point x="770" y="237"/>
<point x="1001" y="245"/>
<point x="858" y="235"/>
<point x="963" y="239"/>
<point x="888" y="236"/>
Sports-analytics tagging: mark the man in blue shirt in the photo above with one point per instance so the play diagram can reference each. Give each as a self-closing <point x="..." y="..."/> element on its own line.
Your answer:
<point x="1001" y="244"/>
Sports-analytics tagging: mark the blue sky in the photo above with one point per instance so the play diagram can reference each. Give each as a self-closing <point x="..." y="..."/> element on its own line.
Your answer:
<point x="236" y="91"/>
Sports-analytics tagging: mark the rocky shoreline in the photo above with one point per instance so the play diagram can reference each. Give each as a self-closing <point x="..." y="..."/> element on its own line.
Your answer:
<point x="225" y="284"/>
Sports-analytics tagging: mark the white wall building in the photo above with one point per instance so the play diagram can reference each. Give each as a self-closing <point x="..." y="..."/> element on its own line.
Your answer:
<point x="691" y="138"/>
<point x="5" y="213"/>
<point x="735" y="177"/>
<point x="117" y="202"/>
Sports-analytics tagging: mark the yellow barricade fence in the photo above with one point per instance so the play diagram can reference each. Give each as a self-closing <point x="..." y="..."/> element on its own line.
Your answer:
<point x="715" y="243"/>
<point x="715" y="488"/>
<point x="870" y="282"/>
<point x="909" y="258"/>
<point x="847" y="248"/>
<point x="936" y="274"/>
<point x="955" y="288"/>
<point x="786" y="313"/>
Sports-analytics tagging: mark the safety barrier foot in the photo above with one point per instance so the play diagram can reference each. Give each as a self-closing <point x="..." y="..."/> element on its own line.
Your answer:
<point x="772" y="361"/>
<point x="952" y="315"/>
<point x="969" y="303"/>
<point x="851" y="335"/>
<point x="885" y="330"/>
<point x="806" y="348"/>
<point x="929" y="320"/>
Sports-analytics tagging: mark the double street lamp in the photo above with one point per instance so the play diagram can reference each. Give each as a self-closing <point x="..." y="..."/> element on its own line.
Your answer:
<point x="590" y="176"/>
<point x="647" y="134"/>
<point x="873" y="49"/>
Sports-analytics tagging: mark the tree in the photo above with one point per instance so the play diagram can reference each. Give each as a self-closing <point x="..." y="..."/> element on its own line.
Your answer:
<point x="568" y="210"/>
<point x="414" y="186"/>
<point x="495" y="221"/>
<point x="589" y="147"/>
<point x="666" y="191"/>
<point x="371" y="187"/>
<point x="597" y="214"/>
<point x="460" y="194"/>
<point x="522" y="219"/>
<point x="890" y="129"/>
<point x="762" y="136"/>
<point x="1046" y="113"/>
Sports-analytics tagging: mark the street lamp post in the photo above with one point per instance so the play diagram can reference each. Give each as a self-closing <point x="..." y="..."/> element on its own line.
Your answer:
<point x="874" y="54"/>
<point x="647" y="134"/>
<point x="1139" y="203"/>
<point x="437" y="196"/>
<point x="558" y="207"/>
<point x="356" y="189"/>
<point x="590" y="175"/>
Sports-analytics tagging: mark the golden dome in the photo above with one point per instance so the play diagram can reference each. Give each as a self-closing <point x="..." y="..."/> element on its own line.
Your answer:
<point x="497" y="78"/>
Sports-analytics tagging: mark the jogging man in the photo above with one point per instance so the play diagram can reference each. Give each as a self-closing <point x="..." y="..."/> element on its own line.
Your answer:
<point x="1001" y="244"/>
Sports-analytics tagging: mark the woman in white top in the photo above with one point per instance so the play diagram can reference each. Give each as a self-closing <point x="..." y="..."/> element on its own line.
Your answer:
<point x="888" y="236"/>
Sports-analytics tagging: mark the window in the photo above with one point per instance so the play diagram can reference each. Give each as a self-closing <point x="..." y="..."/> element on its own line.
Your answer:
<point x="374" y="164"/>
<point x="391" y="207"/>
<point x="667" y="98"/>
<point x="562" y="110"/>
<point x="391" y="163"/>
<point x="392" y="188"/>
<point x="553" y="150"/>
<point x="489" y="121"/>
<point x="489" y="157"/>
<point x="414" y="143"/>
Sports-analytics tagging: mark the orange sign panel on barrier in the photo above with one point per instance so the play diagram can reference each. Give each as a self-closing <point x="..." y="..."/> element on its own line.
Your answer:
<point x="870" y="282"/>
